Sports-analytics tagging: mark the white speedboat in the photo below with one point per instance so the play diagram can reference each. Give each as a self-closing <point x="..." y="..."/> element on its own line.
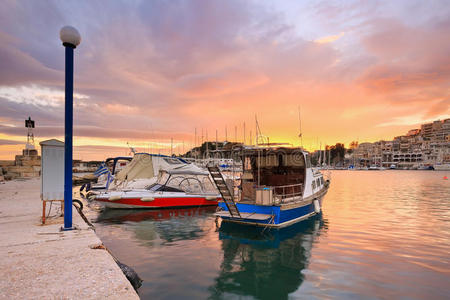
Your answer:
<point x="140" y="172"/>
<point x="173" y="188"/>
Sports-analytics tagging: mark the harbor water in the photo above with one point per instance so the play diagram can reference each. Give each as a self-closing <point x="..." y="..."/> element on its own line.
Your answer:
<point x="382" y="235"/>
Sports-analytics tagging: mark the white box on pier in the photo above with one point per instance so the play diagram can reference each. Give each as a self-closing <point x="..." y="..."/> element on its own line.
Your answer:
<point x="52" y="170"/>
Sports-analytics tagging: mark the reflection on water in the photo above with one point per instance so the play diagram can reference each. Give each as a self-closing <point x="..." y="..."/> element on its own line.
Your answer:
<point x="383" y="235"/>
<point x="170" y="225"/>
<point x="266" y="264"/>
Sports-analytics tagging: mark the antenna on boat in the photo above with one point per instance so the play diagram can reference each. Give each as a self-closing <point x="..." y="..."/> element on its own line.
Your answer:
<point x="132" y="150"/>
<point x="300" y="127"/>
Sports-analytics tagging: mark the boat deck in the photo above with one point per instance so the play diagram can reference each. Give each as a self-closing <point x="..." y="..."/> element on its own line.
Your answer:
<point x="248" y="216"/>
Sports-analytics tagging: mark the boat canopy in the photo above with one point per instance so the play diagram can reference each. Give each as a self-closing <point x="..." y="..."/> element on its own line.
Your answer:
<point x="189" y="178"/>
<point x="141" y="166"/>
<point x="187" y="170"/>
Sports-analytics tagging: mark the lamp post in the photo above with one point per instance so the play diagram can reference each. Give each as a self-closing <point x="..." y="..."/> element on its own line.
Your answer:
<point x="71" y="39"/>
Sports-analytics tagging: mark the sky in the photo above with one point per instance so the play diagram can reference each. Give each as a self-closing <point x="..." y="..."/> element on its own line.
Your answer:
<point x="151" y="72"/>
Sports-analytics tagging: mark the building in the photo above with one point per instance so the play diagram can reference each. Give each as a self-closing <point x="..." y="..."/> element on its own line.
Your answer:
<point x="426" y="146"/>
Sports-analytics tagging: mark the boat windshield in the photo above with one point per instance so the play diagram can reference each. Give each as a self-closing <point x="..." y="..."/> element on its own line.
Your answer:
<point x="188" y="183"/>
<point x="163" y="188"/>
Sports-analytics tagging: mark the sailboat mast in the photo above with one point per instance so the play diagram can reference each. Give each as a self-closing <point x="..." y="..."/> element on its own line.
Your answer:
<point x="244" y="134"/>
<point x="300" y="135"/>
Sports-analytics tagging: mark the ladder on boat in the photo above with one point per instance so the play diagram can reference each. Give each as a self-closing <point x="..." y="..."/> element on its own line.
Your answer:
<point x="224" y="191"/>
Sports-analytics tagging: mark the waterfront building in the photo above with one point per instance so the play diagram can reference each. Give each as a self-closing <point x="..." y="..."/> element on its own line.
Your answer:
<point x="426" y="146"/>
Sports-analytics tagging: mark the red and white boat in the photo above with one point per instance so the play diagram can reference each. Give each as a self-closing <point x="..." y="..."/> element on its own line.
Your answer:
<point x="173" y="188"/>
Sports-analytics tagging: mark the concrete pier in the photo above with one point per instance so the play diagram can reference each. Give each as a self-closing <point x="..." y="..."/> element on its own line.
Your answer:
<point x="40" y="261"/>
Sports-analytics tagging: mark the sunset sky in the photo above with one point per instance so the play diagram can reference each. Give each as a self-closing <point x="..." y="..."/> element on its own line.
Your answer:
<point x="149" y="71"/>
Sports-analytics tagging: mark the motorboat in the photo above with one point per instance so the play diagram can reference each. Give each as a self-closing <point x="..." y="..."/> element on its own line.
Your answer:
<point x="441" y="167"/>
<point x="182" y="187"/>
<point x="140" y="172"/>
<point x="278" y="188"/>
<point x="107" y="170"/>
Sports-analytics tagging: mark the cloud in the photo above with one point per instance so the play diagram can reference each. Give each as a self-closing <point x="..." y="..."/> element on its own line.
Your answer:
<point x="412" y="120"/>
<point x="330" y="38"/>
<point x="223" y="83"/>
<point x="408" y="57"/>
<point x="18" y="67"/>
<point x="442" y="107"/>
<point x="10" y="142"/>
<point x="158" y="69"/>
<point x="37" y="95"/>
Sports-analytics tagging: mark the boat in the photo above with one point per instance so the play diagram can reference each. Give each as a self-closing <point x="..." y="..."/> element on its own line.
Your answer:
<point x="426" y="167"/>
<point x="183" y="187"/>
<point x="140" y="172"/>
<point x="106" y="172"/>
<point x="442" y="167"/>
<point x="278" y="188"/>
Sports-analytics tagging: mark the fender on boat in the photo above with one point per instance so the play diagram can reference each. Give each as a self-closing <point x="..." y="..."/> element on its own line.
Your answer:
<point x="114" y="198"/>
<point x="316" y="206"/>
<point x="147" y="199"/>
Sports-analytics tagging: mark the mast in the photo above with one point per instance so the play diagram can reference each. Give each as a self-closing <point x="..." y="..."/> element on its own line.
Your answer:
<point x="217" y="146"/>
<point x="320" y="154"/>
<point x="244" y="134"/>
<point x="258" y="130"/>
<point x="207" y="144"/>
<point x="300" y="127"/>
<point x="195" y="142"/>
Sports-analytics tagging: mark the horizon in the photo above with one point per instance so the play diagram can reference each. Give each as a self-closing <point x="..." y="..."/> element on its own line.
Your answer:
<point x="146" y="72"/>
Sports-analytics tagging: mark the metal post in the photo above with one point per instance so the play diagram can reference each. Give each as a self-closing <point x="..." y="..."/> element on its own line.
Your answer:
<point x="71" y="39"/>
<point x="68" y="138"/>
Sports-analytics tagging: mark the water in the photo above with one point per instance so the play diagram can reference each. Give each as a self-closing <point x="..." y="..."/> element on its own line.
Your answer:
<point x="382" y="235"/>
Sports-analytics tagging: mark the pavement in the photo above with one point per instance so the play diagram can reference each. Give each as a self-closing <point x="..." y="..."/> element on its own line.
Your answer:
<point x="41" y="262"/>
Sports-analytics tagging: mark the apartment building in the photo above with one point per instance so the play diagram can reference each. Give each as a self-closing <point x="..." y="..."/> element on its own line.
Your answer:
<point x="428" y="145"/>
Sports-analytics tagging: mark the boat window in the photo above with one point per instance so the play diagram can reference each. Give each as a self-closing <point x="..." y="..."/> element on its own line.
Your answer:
<point x="280" y="160"/>
<point x="313" y="184"/>
<point x="318" y="182"/>
<point x="295" y="160"/>
<point x="308" y="161"/>
<point x="172" y="161"/>
<point x="321" y="180"/>
<point x="270" y="161"/>
<point x="154" y="187"/>
<point x="163" y="188"/>
<point x="247" y="163"/>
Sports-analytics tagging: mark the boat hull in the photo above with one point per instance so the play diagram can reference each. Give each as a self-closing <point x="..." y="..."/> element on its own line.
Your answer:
<point x="158" y="202"/>
<point x="278" y="216"/>
<point x="270" y="216"/>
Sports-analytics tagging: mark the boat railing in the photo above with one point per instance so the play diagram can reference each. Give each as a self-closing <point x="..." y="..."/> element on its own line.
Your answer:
<point x="286" y="193"/>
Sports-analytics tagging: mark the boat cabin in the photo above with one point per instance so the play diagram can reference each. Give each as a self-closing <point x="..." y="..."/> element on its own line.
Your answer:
<point x="273" y="175"/>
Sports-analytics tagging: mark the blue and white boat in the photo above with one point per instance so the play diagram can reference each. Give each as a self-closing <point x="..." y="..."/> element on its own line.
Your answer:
<point x="278" y="188"/>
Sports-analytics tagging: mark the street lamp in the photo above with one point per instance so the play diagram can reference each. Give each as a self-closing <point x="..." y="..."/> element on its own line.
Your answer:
<point x="71" y="39"/>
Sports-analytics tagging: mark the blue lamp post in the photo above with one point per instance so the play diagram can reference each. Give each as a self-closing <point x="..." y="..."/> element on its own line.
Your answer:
<point x="71" y="39"/>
